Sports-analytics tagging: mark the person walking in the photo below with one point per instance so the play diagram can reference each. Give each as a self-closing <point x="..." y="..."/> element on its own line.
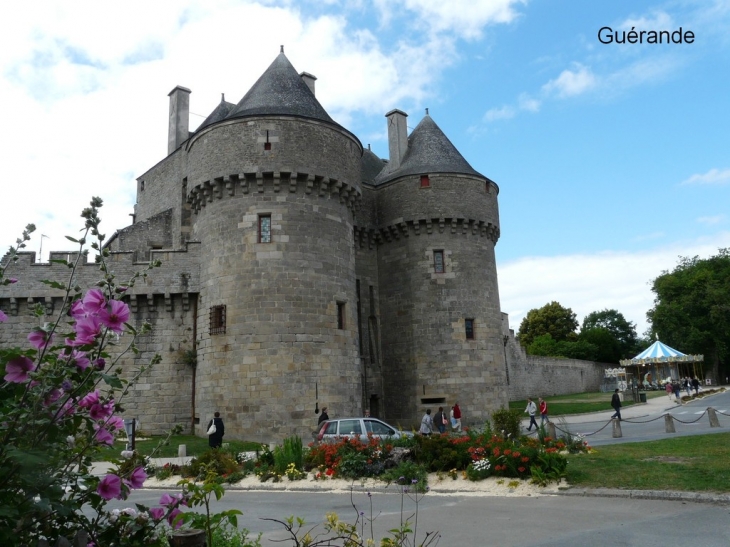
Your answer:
<point x="669" y="389"/>
<point x="531" y="409"/>
<point x="543" y="411"/>
<point x="677" y="391"/>
<point x="687" y="385"/>
<point x="323" y="417"/>
<point x="440" y="420"/>
<point x="616" y="404"/>
<point x="696" y="386"/>
<point x="426" y="423"/>
<point x="216" y="430"/>
<point x="456" y="413"/>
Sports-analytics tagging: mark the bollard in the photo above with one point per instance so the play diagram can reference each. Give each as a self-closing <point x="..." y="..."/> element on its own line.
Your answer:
<point x="669" y="424"/>
<point x="714" y="422"/>
<point x="188" y="538"/>
<point x="551" y="430"/>
<point x="616" y="428"/>
<point x="182" y="451"/>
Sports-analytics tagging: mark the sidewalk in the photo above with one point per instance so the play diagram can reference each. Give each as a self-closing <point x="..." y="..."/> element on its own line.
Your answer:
<point x="639" y="410"/>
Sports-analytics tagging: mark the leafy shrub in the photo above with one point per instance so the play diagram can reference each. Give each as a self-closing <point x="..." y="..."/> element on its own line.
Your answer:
<point x="408" y="474"/>
<point x="479" y="470"/>
<point x="442" y="452"/>
<point x="221" y="463"/>
<point x="290" y="452"/>
<point x="507" y="421"/>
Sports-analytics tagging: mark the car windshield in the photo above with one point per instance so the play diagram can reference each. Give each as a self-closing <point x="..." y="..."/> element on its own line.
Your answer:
<point x="331" y="428"/>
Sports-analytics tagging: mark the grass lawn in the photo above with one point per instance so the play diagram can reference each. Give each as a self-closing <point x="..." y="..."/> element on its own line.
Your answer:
<point x="697" y="463"/>
<point x="580" y="403"/>
<point x="194" y="446"/>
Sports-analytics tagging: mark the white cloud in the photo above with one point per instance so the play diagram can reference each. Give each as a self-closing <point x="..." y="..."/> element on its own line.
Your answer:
<point x="85" y="86"/>
<point x="501" y="113"/>
<point x="658" y="20"/>
<point x="592" y="282"/>
<point x="717" y="219"/>
<point x="571" y="82"/>
<point x="463" y="18"/>
<point x="713" y="176"/>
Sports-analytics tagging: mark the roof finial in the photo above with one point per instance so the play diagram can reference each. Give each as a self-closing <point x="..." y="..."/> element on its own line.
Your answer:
<point x="282" y="49"/>
<point x="426" y="111"/>
<point x="223" y="97"/>
<point x="368" y="146"/>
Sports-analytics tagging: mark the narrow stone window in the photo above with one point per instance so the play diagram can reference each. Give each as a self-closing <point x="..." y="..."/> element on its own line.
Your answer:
<point x="267" y="144"/>
<point x="218" y="320"/>
<point x="438" y="261"/>
<point x="425" y="181"/>
<point x="141" y="186"/>
<point x="469" y="328"/>
<point x="264" y="228"/>
<point x="341" y="315"/>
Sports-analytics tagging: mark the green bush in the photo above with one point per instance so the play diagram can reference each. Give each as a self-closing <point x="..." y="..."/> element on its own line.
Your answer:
<point x="507" y="421"/>
<point x="479" y="470"/>
<point x="221" y="463"/>
<point x="409" y="475"/>
<point x="291" y="451"/>
<point x="441" y="452"/>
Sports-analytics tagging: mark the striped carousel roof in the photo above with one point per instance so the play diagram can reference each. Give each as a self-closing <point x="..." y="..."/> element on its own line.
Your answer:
<point x="661" y="353"/>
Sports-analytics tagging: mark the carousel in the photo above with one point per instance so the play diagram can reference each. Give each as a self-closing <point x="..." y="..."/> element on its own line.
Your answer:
<point x="659" y="363"/>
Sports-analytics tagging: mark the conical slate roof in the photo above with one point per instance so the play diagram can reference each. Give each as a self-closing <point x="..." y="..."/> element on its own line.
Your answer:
<point x="219" y="113"/>
<point x="429" y="151"/>
<point x="370" y="166"/>
<point x="280" y="91"/>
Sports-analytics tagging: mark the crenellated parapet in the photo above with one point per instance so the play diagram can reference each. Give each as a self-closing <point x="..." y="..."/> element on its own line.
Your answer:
<point x="424" y="226"/>
<point x="179" y="273"/>
<point x="257" y="181"/>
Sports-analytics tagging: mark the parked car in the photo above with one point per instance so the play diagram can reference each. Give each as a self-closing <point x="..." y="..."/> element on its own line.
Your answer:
<point x="361" y="428"/>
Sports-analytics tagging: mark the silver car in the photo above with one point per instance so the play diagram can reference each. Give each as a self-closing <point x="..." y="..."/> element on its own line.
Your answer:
<point x="360" y="428"/>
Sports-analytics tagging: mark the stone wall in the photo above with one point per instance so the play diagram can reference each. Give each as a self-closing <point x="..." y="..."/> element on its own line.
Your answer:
<point x="535" y="376"/>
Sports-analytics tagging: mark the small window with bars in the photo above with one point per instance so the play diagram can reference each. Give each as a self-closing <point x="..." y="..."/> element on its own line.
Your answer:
<point x="218" y="320"/>
<point x="469" y="328"/>
<point x="438" y="261"/>
<point x="264" y="228"/>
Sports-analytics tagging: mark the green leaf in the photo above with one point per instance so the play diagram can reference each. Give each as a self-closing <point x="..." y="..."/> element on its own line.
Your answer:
<point x="54" y="284"/>
<point x="72" y="239"/>
<point x="112" y="381"/>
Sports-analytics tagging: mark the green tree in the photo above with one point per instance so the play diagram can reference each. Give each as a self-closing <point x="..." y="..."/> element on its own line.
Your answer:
<point x="692" y="308"/>
<point x="623" y="332"/>
<point x="605" y="345"/>
<point x="546" y="346"/>
<point x="552" y="319"/>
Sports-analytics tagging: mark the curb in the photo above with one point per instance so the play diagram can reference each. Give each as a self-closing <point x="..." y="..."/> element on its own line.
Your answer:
<point x="668" y="495"/>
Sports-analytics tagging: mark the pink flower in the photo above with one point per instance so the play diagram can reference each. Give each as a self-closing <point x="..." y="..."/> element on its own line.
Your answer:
<point x="12" y="280"/>
<point x="103" y="436"/>
<point x="39" y="338"/>
<point x="115" y="316"/>
<point x="3" y="317"/>
<point x="171" y="518"/>
<point x="89" y="399"/>
<point x="157" y="513"/>
<point x="52" y="396"/>
<point x="99" y="411"/>
<point x="94" y="301"/>
<point x="77" y="310"/>
<point x="16" y="370"/>
<point x="167" y="500"/>
<point x="110" y="487"/>
<point x="115" y="423"/>
<point x="137" y="478"/>
<point x="87" y="329"/>
<point x="76" y="357"/>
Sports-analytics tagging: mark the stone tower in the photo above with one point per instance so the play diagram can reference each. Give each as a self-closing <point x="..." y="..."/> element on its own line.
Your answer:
<point x="298" y="267"/>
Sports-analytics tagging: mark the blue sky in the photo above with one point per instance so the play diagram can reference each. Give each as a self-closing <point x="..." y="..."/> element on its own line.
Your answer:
<point x="612" y="159"/>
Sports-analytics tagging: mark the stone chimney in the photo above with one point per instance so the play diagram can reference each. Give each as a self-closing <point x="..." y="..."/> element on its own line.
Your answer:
<point x="309" y="80"/>
<point x="179" y="122"/>
<point x="397" y="137"/>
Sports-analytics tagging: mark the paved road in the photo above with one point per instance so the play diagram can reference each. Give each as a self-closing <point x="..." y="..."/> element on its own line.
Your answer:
<point x="646" y="422"/>
<point x="467" y="521"/>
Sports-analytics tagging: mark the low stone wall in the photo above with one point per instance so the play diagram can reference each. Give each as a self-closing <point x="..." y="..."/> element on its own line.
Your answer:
<point x="534" y="376"/>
